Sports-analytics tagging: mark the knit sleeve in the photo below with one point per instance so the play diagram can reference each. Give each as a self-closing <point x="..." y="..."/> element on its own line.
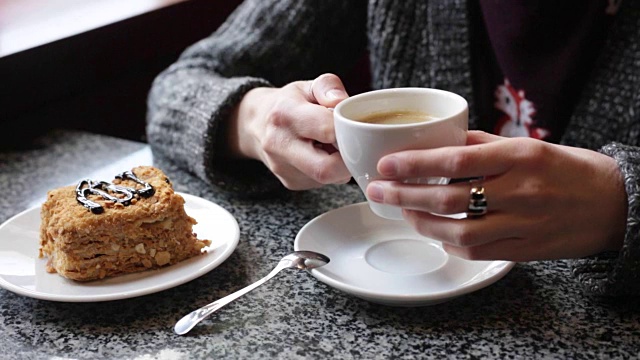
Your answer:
<point x="263" y="43"/>
<point x="618" y="273"/>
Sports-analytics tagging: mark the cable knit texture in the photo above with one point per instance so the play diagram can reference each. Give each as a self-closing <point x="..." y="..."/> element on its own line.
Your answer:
<point x="410" y="43"/>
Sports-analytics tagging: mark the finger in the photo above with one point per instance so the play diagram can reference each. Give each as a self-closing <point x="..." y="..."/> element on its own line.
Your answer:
<point x="318" y="165"/>
<point x="308" y="121"/>
<point x="513" y="249"/>
<point x="295" y="179"/>
<point x="475" y="137"/>
<point x="486" y="159"/>
<point x="327" y="90"/>
<point x="467" y="232"/>
<point x="329" y="148"/>
<point x="290" y="177"/>
<point x="438" y="199"/>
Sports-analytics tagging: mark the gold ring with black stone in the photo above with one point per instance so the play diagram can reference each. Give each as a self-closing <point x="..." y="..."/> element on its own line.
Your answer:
<point x="477" y="200"/>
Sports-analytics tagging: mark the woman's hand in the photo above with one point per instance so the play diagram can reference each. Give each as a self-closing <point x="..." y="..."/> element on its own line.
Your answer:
<point x="290" y="129"/>
<point x="544" y="201"/>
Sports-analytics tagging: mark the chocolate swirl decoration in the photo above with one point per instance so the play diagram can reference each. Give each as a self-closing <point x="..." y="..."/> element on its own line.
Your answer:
<point x="105" y="190"/>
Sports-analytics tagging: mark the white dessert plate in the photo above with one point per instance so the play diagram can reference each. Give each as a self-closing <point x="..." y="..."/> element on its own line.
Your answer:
<point x="22" y="272"/>
<point x="387" y="262"/>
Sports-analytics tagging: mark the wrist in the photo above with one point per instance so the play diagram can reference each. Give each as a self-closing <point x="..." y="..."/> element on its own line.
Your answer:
<point x="620" y="208"/>
<point x="240" y="135"/>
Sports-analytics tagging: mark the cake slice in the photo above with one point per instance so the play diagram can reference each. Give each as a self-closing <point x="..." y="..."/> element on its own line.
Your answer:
<point x="97" y="229"/>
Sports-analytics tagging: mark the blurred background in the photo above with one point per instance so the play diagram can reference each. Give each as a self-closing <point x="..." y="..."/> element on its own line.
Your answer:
<point x="88" y="64"/>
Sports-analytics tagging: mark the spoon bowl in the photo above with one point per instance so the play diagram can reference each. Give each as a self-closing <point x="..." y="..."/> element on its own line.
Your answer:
<point x="301" y="260"/>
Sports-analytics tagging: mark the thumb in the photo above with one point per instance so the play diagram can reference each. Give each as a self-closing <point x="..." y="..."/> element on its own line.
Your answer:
<point x="327" y="90"/>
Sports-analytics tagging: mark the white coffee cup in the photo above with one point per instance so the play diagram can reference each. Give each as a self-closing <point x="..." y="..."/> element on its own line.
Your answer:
<point x="362" y="144"/>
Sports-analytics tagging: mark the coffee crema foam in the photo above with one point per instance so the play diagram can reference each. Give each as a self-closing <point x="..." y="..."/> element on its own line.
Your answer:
<point x="396" y="117"/>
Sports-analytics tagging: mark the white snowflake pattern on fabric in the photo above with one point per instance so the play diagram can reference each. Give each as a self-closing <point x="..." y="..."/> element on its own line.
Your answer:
<point x="517" y="120"/>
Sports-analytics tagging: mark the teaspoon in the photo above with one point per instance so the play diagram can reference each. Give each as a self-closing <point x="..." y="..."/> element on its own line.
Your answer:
<point x="302" y="260"/>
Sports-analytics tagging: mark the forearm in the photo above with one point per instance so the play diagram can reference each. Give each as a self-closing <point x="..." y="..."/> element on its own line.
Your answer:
<point x="186" y="114"/>
<point x="191" y="103"/>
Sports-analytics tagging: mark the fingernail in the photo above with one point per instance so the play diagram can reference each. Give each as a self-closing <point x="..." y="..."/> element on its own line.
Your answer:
<point x="375" y="192"/>
<point x="336" y="94"/>
<point x="388" y="166"/>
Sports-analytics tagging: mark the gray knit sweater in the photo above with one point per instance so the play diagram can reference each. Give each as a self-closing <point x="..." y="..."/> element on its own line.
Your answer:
<point x="410" y="43"/>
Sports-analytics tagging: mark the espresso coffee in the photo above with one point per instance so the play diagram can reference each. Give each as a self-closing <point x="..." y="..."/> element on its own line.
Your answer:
<point x="396" y="117"/>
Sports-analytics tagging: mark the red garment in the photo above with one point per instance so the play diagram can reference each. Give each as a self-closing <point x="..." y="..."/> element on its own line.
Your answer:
<point x="532" y="60"/>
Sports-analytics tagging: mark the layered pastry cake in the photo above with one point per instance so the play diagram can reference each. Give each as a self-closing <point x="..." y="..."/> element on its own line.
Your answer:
<point x="98" y="229"/>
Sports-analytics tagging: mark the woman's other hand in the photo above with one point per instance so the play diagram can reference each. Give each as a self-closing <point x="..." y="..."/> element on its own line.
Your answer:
<point x="290" y="129"/>
<point x="545" y="201"/>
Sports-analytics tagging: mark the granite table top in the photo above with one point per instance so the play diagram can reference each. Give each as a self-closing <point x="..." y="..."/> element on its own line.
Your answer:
<point x="536" y="311"/>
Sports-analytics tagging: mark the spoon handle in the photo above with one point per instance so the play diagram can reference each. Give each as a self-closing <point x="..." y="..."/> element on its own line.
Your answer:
<point x="190" y="320"/>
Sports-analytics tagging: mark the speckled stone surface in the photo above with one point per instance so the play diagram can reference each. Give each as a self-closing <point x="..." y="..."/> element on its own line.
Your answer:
<point x="535" y="311"/>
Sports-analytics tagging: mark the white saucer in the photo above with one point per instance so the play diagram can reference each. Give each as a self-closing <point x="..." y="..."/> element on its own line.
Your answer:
<point x="22" y="272"/>
<point x="387" y="262"/>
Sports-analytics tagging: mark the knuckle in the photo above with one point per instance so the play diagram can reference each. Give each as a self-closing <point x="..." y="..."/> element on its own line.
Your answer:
<point x="421" y="227"/>
<point x="459" y="161"/>
<point x="324" y="131"/>
<point x="270" y="143"/>
<point x="462" y="237"/>
<point x="422" y="231"/>
<point x="394" y="197"/>
<point x="277" y="115"/>
<point x="446" y="202"/>
<point x="297" y="86"/>
<point x="321" y="173"/>
<point x="328" y="132"/>
<point x="325" y="172"/>
<point x="531" y="151"/>
<point x="327" y="78"/>
<point x="411" y="164"/>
